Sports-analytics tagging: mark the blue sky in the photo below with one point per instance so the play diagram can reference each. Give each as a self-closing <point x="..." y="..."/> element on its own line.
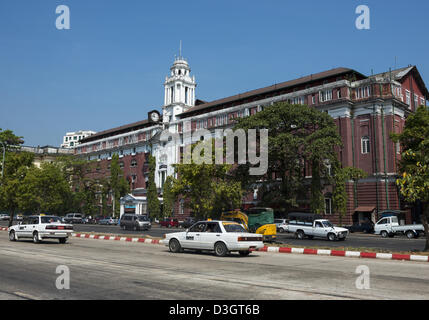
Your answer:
<point x="109" y="68"/>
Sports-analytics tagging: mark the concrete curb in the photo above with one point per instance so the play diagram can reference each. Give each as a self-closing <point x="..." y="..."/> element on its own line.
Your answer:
<point x="355" y="254"/>
<point x="116" y="238"/>
<point x="322" y="252"/>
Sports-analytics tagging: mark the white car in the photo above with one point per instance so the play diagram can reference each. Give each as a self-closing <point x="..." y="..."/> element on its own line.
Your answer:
<point x="4" y="217"/>
<point x="39" y="228"/>
<point x="319" y="228"/>
<point x="281" y="225"/>
<point x="389" y="227"/>
<point x="221" y="237"/>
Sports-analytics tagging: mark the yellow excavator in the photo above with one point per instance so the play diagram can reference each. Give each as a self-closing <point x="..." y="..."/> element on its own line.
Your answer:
<point x="255" y="220"/>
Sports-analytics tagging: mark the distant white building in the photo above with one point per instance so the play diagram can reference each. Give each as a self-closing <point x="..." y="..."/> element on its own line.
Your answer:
<point x="72" y="139"/>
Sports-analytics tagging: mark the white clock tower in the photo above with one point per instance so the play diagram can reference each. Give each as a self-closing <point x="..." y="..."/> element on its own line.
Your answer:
<point x="179" y="90"/>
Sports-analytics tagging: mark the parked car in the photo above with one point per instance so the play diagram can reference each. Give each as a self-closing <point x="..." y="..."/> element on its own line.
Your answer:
<point x="135" y="222"/>
<point x="4" y="217"/>
<point x="89" y="220"/>
<point x="108" y="221"/>
<point x="367" y="227"/>
<point x="98" y="218"/>
<point x="169" y="223"/>
<point x="73" y="218"/>
<point x="189" y="222"/>
<point x="309" y="225"/>
<point x="221" y="237"/>
<point x="39" y="228"/>
<point x="281" y="225"/>
<point x="389" y="227"/>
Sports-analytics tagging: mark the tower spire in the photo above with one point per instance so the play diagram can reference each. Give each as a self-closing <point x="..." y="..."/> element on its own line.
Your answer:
<point x="180" y="50"/>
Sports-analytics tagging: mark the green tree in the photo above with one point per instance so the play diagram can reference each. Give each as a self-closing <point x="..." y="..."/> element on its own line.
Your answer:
<point x="339" y="196"/>
<point x="414" y="166"/>
<point x="15" y="169"/>
<point x="168" y="197"/>
<point x="44" y="189"/>
<point x="153" y="204"/>
<point x="119" y="186"/>
<point x="208" y="188"/>
<point x="85" y="190"/>
<point x="299" y="137"/>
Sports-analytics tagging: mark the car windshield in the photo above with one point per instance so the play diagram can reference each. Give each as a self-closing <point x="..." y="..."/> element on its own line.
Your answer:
<point x="143" y="218"/>
<point x="233" y="227"/>
<point x="51" y="220"/>
<point x="327" y="224"/>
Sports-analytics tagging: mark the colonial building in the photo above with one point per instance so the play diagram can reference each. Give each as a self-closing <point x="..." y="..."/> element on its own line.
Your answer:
<point x="366" y="110"/>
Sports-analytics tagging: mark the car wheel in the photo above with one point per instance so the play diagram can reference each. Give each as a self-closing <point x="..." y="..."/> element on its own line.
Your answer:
<point x="410" y="234"/>
<point x="220" y="249"/>
<point x="124" y="227"/>
<point x="281" y="230"/>
<point x="384" y="234"/>
<point x="244" y="253"/>
<point x="62" y="240"/>
<point x="36" y="237"/>
<point x="332" y="237"/>
<point x="300" y="235"/>
<point x="174" y="246"/>
<point x="135" y="228"/>
<point x="12" y="236"/>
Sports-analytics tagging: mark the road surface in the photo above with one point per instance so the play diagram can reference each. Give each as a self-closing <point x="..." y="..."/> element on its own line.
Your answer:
<point x="123" y="270"/>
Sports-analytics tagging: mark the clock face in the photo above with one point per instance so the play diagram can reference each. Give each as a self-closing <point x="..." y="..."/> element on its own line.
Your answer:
<point x="154" y="116"/>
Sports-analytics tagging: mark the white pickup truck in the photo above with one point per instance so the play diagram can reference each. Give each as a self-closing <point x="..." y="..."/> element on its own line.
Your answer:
<point x="389" y="227"/>
<point x="320" y="228"/>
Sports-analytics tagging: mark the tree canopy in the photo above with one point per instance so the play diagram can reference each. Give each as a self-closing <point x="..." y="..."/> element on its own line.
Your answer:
<point x="414" y="165"/>
<point x="208" y="187"/>
<point x="302" y="141"/>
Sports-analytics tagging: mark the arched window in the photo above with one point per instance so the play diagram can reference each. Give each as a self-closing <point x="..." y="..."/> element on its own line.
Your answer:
<point x="365" y="145"/>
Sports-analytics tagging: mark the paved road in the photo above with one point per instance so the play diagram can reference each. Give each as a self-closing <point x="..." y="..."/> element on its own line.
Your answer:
<point x="397" y="244"/>
<point x="119" y="270"/>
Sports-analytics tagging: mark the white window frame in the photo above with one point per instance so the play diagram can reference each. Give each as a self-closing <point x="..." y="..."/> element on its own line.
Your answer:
<point x="365" y="143"/>
<point x="363" y="92"/>
<point x="325" y="95"/>
<point x="408" y="97"/>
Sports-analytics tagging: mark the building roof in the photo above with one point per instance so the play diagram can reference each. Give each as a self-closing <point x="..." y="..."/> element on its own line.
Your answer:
<point x="401" y="73"/>
<point x="275" y="87"/>
<point x="118" y="130"/>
